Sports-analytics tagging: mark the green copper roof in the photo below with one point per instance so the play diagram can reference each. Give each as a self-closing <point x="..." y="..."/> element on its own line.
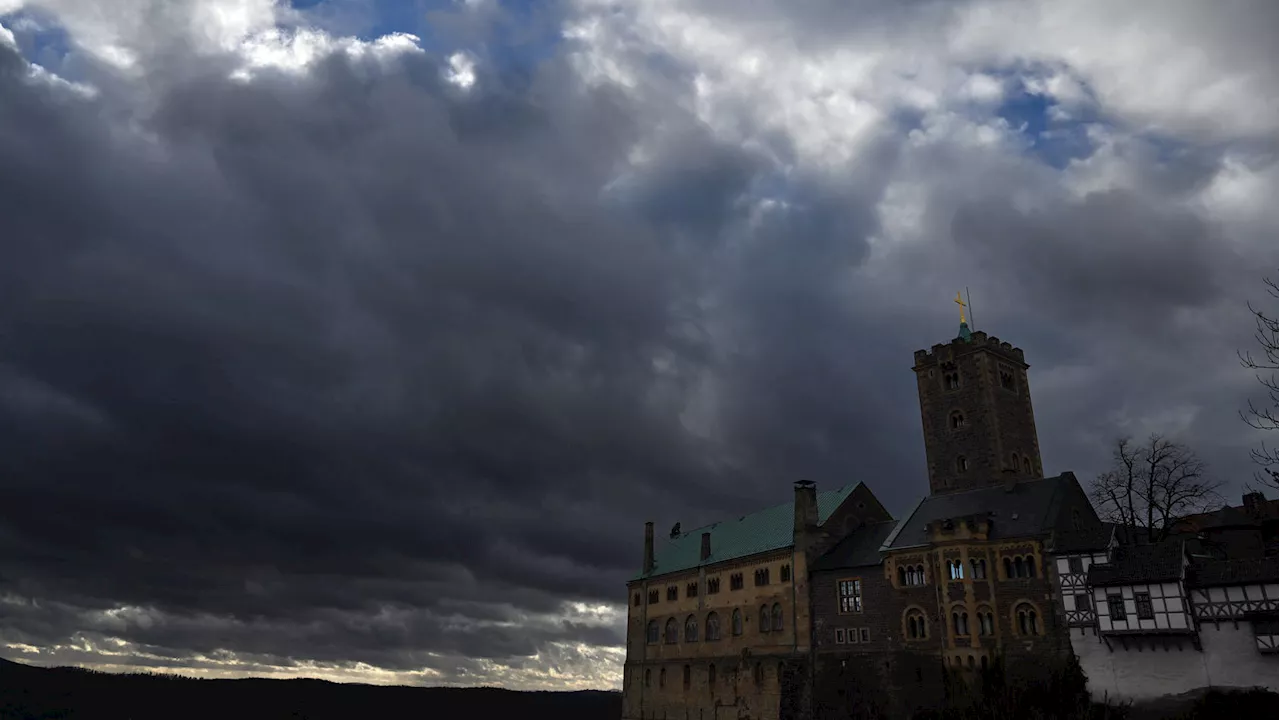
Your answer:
<point x="771" y="529"/>
<point x="964" y="335"/>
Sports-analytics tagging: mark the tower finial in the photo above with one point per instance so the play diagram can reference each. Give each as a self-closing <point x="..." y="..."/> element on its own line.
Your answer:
<point x="961" y="303"/>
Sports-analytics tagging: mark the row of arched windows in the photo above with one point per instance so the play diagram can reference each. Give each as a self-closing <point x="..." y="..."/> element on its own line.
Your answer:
<point x="911" y="575"/>
<point x="771" y="620"/>
<point x="1021" y="566"/>
<point x="757" y="675"/>
<point x="916" y="624"/>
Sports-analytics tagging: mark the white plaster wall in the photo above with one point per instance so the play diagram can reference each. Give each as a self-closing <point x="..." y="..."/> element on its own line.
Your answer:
<point x="1230" y="659"/>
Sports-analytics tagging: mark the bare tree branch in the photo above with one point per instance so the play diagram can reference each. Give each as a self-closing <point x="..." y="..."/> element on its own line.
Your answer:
<point x="1264" y="417"/>
<point x="1150" y="486"/>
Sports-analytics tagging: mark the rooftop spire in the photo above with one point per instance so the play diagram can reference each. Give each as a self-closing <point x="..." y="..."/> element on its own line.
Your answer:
<point x="964" y="326"/>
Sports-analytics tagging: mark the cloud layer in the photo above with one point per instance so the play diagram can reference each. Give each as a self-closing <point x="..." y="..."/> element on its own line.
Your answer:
<point x="334" y="351"/>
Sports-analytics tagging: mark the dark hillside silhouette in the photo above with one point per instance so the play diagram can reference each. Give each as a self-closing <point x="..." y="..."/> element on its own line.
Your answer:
<point x="75" y="694"/>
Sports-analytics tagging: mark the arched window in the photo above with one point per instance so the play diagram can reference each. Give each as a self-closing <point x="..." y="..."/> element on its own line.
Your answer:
<point x="688" y="677"/>
<point x="711" y="676"/>
<point x="648" y="677"/>
<point x="979" y="568"/>
<point x="713" y="626"/>
<point x="917" y="627"/>
<point x="1013" y="461"/>
<point x="962" y="464"/>
<point x="953" y="381"/>
<point x="902" y="575"/>
<point x="672" y="631"/>
<point x="691" y="629"/>
<point x="986" y="622"/>
<point x="764" y="619"/>
<point x="737" y="622"/>
<point x="1026" y="464"/>
<point x="957" y="569"/>
<point x="957" y="420"/>
<point x="777" y="617"/>
<point x="971" y="661"/>
<point x="920" y="574"/>
<point x="1028" y="622"/>
<point x="653" y="631"/>
<point x="1029" y="564"/>
<point x="662" y="677"/>
<point x="1019" y="570"/>
<point x="758" y="674"/>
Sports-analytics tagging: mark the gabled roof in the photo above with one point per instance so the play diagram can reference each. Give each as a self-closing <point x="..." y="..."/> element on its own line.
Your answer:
<point x="861" y="548"/>
<point x="1029" y="508"/>
<point x="763" y="531"/>
<point x="1209" y="573"/>
<point x="1131" y="564"/>
<point x="1227" y="517"/>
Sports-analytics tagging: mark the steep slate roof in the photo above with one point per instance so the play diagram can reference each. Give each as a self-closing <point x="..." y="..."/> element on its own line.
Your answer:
<point x="1157" y="562"/>
<point x="1208" y="573"/>
<point x="1073" y="541"/>
<point x="1029" y="509"/>
<point x="770" y="529"/>
<point x="1227" y="517"/>
<point x="860" y="549"/>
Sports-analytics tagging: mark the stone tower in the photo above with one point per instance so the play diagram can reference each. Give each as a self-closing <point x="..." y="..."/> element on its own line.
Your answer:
<point x="975" y="405"/>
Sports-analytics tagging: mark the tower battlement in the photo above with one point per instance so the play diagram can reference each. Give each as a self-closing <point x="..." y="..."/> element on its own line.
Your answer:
<point x="978" y="340"/>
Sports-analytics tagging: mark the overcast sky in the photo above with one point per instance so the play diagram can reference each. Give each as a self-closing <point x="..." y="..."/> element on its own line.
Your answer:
<point x="358" y="339"/>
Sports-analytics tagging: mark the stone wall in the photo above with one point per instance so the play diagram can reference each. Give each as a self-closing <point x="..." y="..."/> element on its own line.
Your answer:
<point x="1151" y="670"/>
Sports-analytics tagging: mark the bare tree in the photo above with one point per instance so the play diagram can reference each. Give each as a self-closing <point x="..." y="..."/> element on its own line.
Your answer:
<point x="1264" y="368"/>
<point x="1152" y="484"/>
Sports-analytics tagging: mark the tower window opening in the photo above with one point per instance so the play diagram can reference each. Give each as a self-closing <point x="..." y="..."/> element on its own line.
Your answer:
<point x="957" y="420"/>
<point x="962" y="464"/>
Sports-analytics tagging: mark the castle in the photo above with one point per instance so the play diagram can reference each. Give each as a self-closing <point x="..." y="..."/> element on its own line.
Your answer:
<point x="828" y="607"/>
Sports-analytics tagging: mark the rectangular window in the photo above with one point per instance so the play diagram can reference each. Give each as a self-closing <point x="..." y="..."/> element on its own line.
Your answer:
<point x="784" y="575"/>
<point x="762" y="577"/>
<point x="864" y="634"/>
<point x="979" y="568"/>
<point x="852" y="635"/>
<point x="653" y="597"/>
<point x="713" y="585"/>
<point x="1082" y="602"/>
<point x="1143" y="601"/>
<point x="839" y="636"/>
<point x="691" y="590"/>
<point x="735" y="581"/>
<point x="673" y="593"/>
<point x="1115" y="607"/>
<point x="957" y="569"/>
<point x="1074" y="564"/>
<point x="850" y="595"/>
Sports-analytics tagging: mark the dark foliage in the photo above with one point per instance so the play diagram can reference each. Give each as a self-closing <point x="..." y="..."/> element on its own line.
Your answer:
<point x="991" y="695"/>
<point x="76" y="694"/>
<point x="1233" y="705"/>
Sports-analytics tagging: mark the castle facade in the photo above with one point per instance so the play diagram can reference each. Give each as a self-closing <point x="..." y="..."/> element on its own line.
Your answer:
<point x="828" y="607"/>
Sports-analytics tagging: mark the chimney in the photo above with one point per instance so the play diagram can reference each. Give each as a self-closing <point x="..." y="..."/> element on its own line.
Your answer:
<point x="806" y="506"/>
<point x="1253" y="502"/>
<point x="706" y="546"/>
<point x="648" y="548"/>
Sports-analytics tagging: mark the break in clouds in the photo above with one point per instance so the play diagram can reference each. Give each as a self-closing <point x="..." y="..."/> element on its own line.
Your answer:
<point x="361" y="346"/>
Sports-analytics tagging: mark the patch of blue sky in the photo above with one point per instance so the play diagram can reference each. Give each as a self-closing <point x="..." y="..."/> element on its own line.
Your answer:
<point x="1054" y="135"/>
<point x="519" y="35"/>
<point x="40" y="39"/>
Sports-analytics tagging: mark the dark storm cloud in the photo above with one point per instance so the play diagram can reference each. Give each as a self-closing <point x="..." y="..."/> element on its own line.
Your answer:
<point x="329" y="331"/>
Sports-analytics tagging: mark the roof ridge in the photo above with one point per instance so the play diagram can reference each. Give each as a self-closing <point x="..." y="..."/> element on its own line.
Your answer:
<point x="685" y="533"/>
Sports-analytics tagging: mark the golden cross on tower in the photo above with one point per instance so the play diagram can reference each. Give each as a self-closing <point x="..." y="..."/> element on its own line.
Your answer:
<point x="961" y="304"/>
